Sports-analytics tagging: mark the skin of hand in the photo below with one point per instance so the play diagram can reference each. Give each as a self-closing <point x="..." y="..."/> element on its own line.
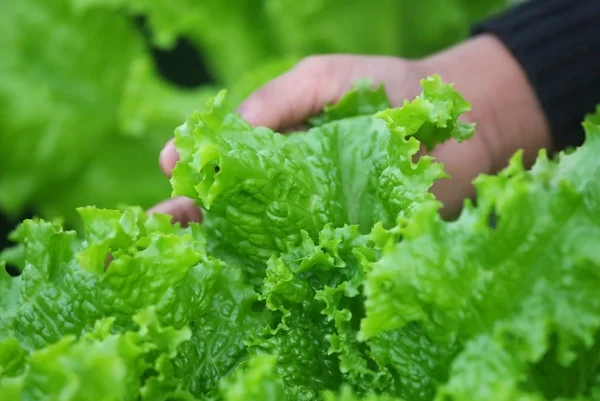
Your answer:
<point x="504" y="106"/>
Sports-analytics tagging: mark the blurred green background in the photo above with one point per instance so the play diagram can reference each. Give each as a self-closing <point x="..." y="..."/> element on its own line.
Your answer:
<point x="90" y="90"/>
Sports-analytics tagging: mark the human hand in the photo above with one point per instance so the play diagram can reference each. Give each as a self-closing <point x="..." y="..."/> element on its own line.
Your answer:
<point x="505" y="109"/>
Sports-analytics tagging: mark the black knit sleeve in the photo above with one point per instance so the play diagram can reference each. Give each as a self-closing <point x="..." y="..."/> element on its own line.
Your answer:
<point x="558" y="44"/>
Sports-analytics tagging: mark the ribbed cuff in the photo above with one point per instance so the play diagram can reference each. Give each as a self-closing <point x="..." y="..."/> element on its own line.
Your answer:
<point x="558" y="44"/>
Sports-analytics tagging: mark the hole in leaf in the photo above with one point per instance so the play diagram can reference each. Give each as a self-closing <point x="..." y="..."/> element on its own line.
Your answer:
<point x="217" y="169"/>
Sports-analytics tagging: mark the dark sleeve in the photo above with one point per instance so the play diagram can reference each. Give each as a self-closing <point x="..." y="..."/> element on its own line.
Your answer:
<point x="558" y="44"/>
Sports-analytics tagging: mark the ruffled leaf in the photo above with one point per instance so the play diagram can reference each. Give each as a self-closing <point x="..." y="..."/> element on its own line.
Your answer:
<point x="261" y="189"/>
<point x="514" y="293"/>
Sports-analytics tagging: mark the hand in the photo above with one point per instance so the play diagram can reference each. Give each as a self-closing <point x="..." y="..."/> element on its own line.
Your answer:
<point x="505" y="108"/>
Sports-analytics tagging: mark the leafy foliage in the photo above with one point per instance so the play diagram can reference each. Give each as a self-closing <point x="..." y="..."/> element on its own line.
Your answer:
<point x="323" y="271"/>
<point x="84" y="112"/>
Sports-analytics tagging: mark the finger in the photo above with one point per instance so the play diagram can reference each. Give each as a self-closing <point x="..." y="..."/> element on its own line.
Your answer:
<point x="168" y="158"/>
<point x="182" y="209"/>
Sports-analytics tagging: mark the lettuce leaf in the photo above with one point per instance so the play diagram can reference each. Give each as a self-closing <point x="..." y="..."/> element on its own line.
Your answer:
<point x="153" y="264"/>
<point x="346" y="394"/>
<point x="257" y="382"/>
<point x="520" y="296"/>
<point x="260" y="188"/>
<point x="117" y="366"/>
<point x="83" y="113"/>
<point x="361" y="100"/>
<point x="40" y="100"/>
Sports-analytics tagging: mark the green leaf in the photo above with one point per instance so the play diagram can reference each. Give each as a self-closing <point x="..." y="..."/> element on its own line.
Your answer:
<point x="84" y="113"/>
<point x="226" y="318"/>
<point x="301" y="350"/>
<point x="321" y="283"/>
<point x="53" y="101"/>
<point x="594" y="118"/>
<point x="257" y="381"/>
<point x="112" y="365"/>
<point x="261" y="189"/>
<point x="346" y="394"/>
<point x="513" y="293"/>
<point x="432" y="116"/>
<point x="13" y="358"/>
<point x="361" y="100"/>
<point x="9" y="297"/>
<point x="419" y="365"/>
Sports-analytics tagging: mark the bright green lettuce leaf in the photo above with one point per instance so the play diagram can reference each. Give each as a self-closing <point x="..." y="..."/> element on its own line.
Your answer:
<point x="418" y="364"/>
<point x="314" y="290"/>
<point x="594" y="118"/>
<point x="83" y="113"/>
<point x="257" y="381"/>
<point x="325" y="279"/>
<point x="361" y="100"/>
<point x="303" y="364"/>
<point x="152" y="263"/>
<point x="56" y="96"/>
<point x="346" y="394"/>
<point x="102" y="364"/>
<point x="260" y="189"/>
<point x="9" y="288"/>
<point x="227" y="318"/>
<point x="12" y="358"/>
<point x="432" y="116"/>
<point x="520" y="295"/>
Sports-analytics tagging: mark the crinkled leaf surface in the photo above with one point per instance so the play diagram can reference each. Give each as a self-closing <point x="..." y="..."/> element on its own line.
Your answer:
<point x="67" y="287"/>
<point x="322" y="272"/>
<point x="112" y="365"/>
<point x="260" y="189"/>
<point x="521" y="296"/>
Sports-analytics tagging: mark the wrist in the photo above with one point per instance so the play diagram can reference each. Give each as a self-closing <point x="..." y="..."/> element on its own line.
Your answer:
<point x="506" y="109"/>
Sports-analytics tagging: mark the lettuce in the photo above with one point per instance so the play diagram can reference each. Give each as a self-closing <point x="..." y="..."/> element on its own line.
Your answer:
<point x="520" y="297"/>
<point x="264" y="189"/>
<point x="73" y="107"/>
<point x="84" y="111"/>
<point x="323" y="271"/>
